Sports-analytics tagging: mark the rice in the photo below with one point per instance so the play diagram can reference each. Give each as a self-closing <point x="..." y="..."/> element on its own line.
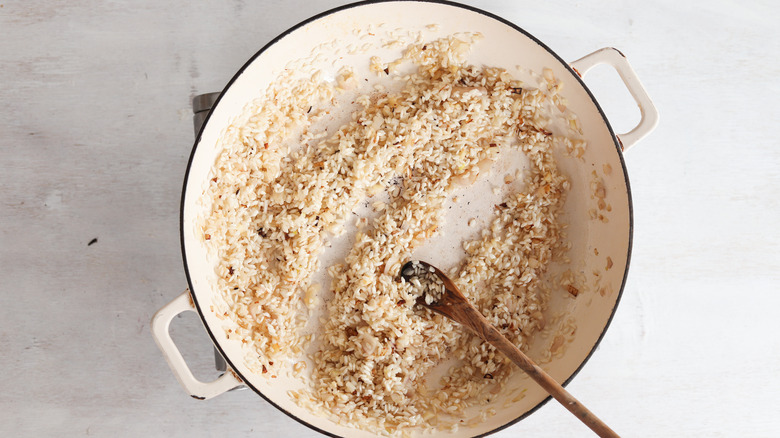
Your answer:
<point x="425" y="282"/>
<point x="271" y="212"/>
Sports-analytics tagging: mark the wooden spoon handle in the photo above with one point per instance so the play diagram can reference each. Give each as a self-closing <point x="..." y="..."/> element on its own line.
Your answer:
<point x="474" y="320"/>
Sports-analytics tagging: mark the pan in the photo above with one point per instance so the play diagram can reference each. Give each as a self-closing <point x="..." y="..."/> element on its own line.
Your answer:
<point x="600" y="238"/>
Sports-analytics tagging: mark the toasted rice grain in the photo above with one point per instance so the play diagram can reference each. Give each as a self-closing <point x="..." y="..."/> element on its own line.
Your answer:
<point x="271" y="211"/>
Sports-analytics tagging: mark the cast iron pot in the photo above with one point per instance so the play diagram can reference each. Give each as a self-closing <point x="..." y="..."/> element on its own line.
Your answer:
<point x="596" y="243"/>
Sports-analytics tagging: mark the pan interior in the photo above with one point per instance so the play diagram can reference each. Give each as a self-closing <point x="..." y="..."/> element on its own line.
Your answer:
<point x="600" y="239"/>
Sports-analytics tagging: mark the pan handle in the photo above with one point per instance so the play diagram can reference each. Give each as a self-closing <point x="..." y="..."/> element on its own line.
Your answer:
<point x="160" y="331"/>
<point x="648" y="112"/>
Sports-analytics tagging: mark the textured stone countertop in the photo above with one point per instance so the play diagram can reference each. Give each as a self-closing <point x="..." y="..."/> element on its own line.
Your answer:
<point x="95" y="134"/>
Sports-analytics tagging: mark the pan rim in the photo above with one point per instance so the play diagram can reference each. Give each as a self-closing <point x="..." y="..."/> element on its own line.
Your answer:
<point x="313" y="18"/>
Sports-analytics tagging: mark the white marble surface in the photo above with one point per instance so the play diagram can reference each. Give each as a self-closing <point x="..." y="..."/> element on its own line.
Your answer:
<point x="94" y="136"/>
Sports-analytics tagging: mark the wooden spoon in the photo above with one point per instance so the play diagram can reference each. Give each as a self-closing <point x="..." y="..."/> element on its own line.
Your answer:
<point x="452" y="304"/>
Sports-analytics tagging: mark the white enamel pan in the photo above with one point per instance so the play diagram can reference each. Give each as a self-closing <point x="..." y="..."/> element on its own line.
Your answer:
<point x="601" y="239"/>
